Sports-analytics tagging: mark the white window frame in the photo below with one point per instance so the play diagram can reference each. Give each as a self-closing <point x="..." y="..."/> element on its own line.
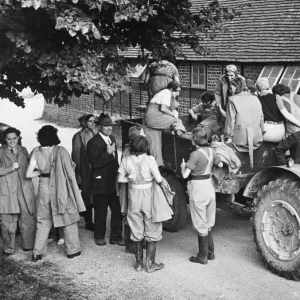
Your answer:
<point x="277" y="77"/>
<point x="298" y="86"/>
<point x="201" y="86"/>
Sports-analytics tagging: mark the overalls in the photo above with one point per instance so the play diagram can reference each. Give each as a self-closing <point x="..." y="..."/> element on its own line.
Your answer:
<point x="203" y="199"/>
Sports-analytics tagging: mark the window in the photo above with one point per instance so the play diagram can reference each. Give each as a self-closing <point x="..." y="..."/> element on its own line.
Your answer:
<point x="291" y="77"/>
<point x="272" y="72"/>
<point x="199" y="76"/>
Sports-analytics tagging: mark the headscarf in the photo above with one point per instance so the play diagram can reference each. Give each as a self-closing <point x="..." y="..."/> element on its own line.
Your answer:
<point x="262" y="84"/>
<point x="231" y="68"/>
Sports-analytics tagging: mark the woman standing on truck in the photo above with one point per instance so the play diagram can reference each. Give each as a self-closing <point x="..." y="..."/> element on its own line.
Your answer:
<point x="160" y="117"/>
<point x="275" y="113"/>
<point x="202" y="193"/>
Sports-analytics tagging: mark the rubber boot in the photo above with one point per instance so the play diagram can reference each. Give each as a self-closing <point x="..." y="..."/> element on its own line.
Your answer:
<point x="151" y="265"/>
<point x="211" y="247"/>
<point x="129" y="244"/>
<point x="138" y="256"/>
<point x="201" y="257"/>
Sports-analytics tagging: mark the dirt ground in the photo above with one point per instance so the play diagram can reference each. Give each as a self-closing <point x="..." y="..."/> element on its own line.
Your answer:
<point x="107" y="272"/>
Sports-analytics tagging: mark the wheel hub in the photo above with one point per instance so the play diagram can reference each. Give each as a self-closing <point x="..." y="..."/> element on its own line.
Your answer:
<point x="281" y="230"/>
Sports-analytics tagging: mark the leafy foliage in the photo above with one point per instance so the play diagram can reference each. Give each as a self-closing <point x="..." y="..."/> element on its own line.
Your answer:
<point x="61" y="47"/>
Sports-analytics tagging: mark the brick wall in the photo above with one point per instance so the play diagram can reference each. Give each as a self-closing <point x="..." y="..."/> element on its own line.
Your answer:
<point x="214" y="71"/>
<point x="252" y="71"/>
<point x="184" y="74"/>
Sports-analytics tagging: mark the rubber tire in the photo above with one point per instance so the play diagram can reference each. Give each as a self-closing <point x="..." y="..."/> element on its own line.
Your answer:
<point x="288" y="191"/>
<point x="179" y="206"/>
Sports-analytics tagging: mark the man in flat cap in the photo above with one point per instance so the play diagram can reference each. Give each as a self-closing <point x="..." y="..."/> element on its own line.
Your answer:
<point x="103" y="158"/>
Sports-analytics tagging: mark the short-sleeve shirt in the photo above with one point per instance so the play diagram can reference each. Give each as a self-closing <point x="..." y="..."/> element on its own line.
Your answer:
<point x="207" y="111"/>
<point x="197" y="162"/>
<point x="162" y="97"/>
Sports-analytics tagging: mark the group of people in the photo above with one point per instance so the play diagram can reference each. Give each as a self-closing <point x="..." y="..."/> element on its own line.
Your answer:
<point x="91" y="179"/>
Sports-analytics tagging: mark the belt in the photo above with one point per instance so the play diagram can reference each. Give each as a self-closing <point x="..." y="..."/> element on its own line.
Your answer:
<point x="45" y="175"/>
<point x="200" y="177"/>
<point x="274" y="123"/>
<point x="160" y="74"/>
<point x="141" y="186"/>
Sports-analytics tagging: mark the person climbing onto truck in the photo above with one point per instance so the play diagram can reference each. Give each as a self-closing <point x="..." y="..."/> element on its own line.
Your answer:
<point x="201" y="193"/>
<point x="207" y="111"/>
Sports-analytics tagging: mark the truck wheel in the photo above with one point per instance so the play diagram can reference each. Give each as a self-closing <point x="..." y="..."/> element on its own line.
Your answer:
<point x="179" y="206"/>
<point x="277" y="227"/>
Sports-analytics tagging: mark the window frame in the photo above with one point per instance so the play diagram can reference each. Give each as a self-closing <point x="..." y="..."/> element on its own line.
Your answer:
<point x="277" y="77"/>
<point x="199" y="86"/>
<point x="282" y="77"/>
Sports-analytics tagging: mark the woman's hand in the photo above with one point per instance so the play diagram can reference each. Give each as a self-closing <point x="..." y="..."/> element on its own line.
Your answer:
<point x="182" y="165"/>
<point x="222" y="111"/>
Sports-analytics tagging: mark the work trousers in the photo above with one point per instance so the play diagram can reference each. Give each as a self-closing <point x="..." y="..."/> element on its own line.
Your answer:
<point x="292" y="141"/>
<point x="202" y="205"/>
<point x="27" y="224"/>
<point x="139" y="216"/>
<point x="101" y="204"/>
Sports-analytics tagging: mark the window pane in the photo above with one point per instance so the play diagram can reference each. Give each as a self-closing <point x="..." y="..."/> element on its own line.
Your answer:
<point x="202" y="70"/>
<point x="285" y="81"/>
<point x="297" y="74"/>
<point x="294" y="84"/>
<point x="275" y="71"/>
<point x="195" y="79"/>
<point x="202" y="79"/>
<point x="289" y="72"/>
<point x="271" y="81"/>
<point x="267" y="71"/>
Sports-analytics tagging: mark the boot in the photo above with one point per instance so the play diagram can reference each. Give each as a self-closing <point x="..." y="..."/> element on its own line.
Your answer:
<point x="129" y="244"/>
<point x="151" y="265"/>
<point x="201" y="257"/>
<point x="138" y="256"/>
<point x="211" y="247"/>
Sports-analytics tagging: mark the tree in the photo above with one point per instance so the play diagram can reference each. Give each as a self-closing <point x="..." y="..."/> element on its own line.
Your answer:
<point x="61" y="47"/>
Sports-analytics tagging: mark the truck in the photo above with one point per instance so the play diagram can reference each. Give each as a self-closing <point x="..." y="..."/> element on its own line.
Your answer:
<point x="270" y="193"/>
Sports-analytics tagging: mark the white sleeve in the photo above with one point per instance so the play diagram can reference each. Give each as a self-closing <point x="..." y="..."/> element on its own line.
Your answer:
<point x="32" y="160"/>
<point x="163" y="97"/>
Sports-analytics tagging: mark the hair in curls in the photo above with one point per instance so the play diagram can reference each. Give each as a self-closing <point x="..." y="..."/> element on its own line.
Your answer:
<point x="239" y="84"/>
<point x="47" y="136"/>
<point x="139" y="145"/>
<point x="11" y="130"/>
<point x="173" y="86"/>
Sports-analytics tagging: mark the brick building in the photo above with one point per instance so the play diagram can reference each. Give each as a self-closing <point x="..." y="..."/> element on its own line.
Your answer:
<point x="263" y="41"/>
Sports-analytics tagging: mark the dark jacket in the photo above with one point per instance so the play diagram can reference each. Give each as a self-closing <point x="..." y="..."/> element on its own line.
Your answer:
<point x="104" y="166"/>
<point x="79" y="156"/>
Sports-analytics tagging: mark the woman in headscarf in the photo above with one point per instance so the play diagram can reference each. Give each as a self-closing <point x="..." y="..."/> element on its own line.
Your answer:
<point x="275" y="113"/>
<point x="160" y="116"/>
<point x="82" y="169"/>
<point x="160" y="74"/>
<point x="59" y="200"/>
<point x="222" y="89"/>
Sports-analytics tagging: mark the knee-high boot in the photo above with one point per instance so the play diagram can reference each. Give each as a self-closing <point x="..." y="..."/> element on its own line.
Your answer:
<point x="138" y="256"/>
<point x="151" y="265"/>
<point x="129" y="244"/>
<point x="201" y="257"/>
<point x="211" y="247"/>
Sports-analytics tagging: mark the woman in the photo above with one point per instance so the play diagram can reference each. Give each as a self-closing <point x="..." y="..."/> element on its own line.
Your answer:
<point x="160" y="74"/>
<point x="17" y="197"/>
<point x="159" y="116"/>
<point x="140" y="170"/>
<point x="275" y="113"/>
<point x="207" y="109"/>
<point x="82" y="169"/>
<point x="57" y="204"/>
<point x="202" y="194"/>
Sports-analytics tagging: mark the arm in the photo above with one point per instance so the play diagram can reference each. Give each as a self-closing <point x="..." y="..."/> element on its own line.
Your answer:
<point x="288" y="116"/>
<point x="31" y="172"/>
<point x="230" y="120"/>
<point x="122" y="176"/>
<point x="97" y="158"/>
<point x="155" y="171"/>
<point x="262" y="126"/>
<point x="217" y="160"/>
<point x="76" y="145"/>
<point x="185" y="172"/>
<point x="164" y="109"/>
<point x="6" y="170"/>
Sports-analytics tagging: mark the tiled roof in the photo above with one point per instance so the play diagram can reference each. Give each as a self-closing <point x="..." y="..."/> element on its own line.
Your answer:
<point x="267" y="31"/>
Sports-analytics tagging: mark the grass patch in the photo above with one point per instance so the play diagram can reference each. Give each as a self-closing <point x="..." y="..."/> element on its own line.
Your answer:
<point x="60" y="123"/>
<point x="40" y="281"/>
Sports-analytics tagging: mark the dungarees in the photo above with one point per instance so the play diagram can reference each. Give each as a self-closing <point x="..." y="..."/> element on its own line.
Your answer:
<point x="203" y="199"/>
<point x="139" y="215"/>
